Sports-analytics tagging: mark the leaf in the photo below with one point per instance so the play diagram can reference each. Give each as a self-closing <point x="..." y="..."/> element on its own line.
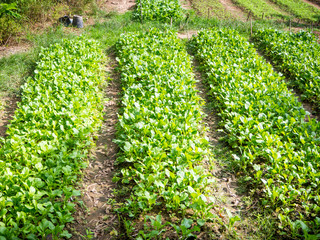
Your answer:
<point x="127" y="146"/>
<point x="201" y="222"/>
<point x="187" y="223"/>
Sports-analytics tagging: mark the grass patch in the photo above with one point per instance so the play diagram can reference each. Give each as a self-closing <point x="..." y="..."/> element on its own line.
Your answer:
<point x="15" y="68"/>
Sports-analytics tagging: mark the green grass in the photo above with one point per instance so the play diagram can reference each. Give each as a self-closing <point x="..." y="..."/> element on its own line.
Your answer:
<point x="300" y="9"/>
<point x="109" y="30"/>
<point x="259" y="8"/>
<point x="15" y="68"/>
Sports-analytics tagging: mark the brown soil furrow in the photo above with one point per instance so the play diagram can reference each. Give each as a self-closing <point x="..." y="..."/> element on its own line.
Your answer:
<point x="7" y="113"/>
<point x="314" y="3"/>
<point x="97" y="188"/>
<point x="120" y="6"/>
<point x="233" y="9"/>
<point x="226" y="183"/>
<point x="186" y="4"/>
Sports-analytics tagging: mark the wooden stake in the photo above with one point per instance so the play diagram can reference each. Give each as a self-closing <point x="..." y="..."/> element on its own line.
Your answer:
<point x="249" y="16"/>
<point x="251" y="27"/>
<point x="290" y="25"/>
<point x="262" y="16"/>
<point x="141" y="12"/>
<point x="208" y="13"/>
<point x="171" y="22"/>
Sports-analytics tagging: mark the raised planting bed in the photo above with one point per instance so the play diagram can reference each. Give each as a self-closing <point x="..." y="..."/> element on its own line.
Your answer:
<point x="48" y="141"/>
<point x="275" y="148"/>
<point x="297" y="56"/>
<point x="161" y="138"/>
<point x="160" y="10"/>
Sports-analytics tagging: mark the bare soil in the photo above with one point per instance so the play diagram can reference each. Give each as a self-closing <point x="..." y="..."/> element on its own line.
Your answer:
<point x="6" y="114"/>
<point x="7" y="51"/>
<point x="120" y="6"/>
<point x="187" y="34"/>
<point x="314" y="3"/>
<point x="186" y="4"/>
<point x="97" y="187"/>
<point x="233" y="9"/>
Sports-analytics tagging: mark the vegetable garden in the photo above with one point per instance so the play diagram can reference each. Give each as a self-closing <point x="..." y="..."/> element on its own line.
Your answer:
<point x="166" y="190"/>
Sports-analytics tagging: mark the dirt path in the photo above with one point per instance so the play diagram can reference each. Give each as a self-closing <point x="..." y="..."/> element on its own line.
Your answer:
<point x="233" y="9"/>
<point x="186" y="4"/>
<point x="226" y="189"/>
<point x="187" y="34"/>
<point x="314" y="3"/>
<point x="120" y="6"/>
<point x="98" y="220"/>
<point x="7" y="51"/>
<point x="6" y="114"/>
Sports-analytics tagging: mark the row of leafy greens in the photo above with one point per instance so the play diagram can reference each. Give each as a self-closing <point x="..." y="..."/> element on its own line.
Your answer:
<point x="296" y="55"/>
<point x="301" y="9"/>
<point x="160" y="10"/>
<point x="276" y="148"/>
<point x="161" y="136"/>
<point x="260" y="9"/>
<point x="48" y="141"/>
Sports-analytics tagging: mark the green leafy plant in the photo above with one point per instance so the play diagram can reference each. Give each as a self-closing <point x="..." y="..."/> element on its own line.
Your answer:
<point x="9" y="10"/>
<point x="159" y="132"/>
<point x="300" y="9"/>
<point x="276" y="148"/>
<point x="260" y="8"/>
<point x="296" y="55"/>
<point x="162" y="10"/>
<point x="48" y="141"/>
